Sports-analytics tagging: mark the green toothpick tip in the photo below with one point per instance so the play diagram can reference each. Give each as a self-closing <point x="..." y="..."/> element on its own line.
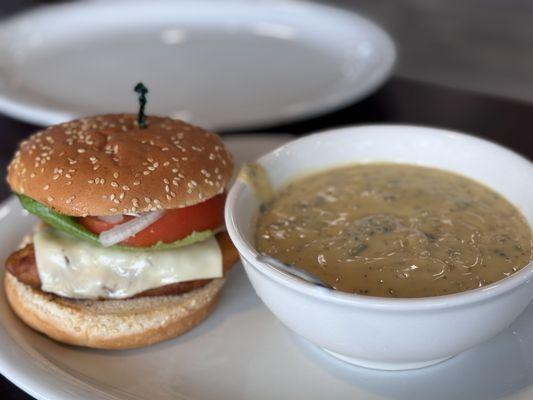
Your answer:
<point x="143" y="91"/>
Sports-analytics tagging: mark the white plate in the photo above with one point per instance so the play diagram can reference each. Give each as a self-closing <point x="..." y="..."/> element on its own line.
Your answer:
<point x="242" y="352"/>
<point x="222" y="64"/>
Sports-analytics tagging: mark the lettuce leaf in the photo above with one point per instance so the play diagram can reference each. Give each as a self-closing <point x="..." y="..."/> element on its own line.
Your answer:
<point x="71" y="226"/>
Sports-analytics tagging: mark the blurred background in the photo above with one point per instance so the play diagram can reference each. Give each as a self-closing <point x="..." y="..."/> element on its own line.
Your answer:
<point x="478" y="45"/>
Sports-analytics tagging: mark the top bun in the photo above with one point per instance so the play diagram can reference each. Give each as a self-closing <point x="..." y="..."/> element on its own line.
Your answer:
<point x="107" y="165"/>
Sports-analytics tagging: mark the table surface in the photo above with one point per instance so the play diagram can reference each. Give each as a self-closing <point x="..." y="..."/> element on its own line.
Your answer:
<point x="402" y="101"/>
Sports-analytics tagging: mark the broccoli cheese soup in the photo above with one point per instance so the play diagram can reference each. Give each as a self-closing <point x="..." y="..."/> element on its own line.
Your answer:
<point x="395" y="230"/>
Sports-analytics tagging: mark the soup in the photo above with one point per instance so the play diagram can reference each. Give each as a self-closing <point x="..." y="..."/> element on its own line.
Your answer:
<point x="395" y="230"/>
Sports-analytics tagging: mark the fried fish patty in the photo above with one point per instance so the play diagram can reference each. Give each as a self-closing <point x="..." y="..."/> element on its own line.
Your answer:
<point x="23" y="266"/>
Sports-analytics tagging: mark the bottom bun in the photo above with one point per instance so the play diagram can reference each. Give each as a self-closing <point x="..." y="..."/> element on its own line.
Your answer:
<point x="111" y="324"/>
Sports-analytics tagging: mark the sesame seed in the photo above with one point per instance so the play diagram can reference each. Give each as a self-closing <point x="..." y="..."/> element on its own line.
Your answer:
<point x="46" y="187"/>
<point x="126" y="187"/>
<point x="147" y="200"/>
<point x="113" y="209"/>
<point x="81" y="150"/>
<point x="114" y="184"/>
<point x="50" y="198"/>
<point x="115" y="175"/>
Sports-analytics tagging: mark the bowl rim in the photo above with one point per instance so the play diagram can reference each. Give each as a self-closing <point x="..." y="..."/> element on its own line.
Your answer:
<point x="249" y="253"/>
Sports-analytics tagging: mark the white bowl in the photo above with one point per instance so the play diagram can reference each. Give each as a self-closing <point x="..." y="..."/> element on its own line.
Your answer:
<point x="387" y="333"/>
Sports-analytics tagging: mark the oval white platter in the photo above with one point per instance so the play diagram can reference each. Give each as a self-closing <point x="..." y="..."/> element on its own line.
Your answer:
<point x="242" y="352"/>
<point x="221" y="64"/>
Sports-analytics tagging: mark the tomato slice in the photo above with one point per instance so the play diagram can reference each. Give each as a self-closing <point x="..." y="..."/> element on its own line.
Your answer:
<point x="175" y="224"/>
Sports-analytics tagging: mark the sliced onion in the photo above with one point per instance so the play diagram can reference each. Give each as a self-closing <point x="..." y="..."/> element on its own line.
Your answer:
<point x="123" y="231"/>
<point x="112" y="219"/>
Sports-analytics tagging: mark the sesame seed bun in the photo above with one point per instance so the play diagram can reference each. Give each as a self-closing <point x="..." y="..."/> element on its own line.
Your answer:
<point x="107" y="165"/>
<point x="111" y="324"/>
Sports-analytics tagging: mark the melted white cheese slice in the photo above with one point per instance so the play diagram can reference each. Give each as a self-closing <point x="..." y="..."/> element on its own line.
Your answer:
<point x="74" y="268"/>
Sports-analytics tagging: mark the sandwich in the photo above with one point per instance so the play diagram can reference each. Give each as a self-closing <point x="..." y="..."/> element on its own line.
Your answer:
<point x="131" y="248"/>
